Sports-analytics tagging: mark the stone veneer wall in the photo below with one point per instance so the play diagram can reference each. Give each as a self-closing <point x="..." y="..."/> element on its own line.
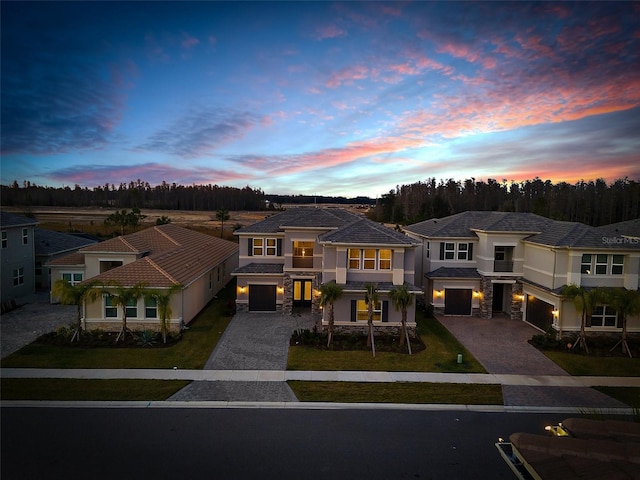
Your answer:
<point x="516" y="304"/>
<point x="486" y="301"/>
<point x="287" y="299"/>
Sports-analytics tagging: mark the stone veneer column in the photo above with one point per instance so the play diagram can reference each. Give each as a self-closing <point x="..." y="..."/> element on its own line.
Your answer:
<point x="516" y="303"/>
<point x="287" y="298"/>
<point x="486" y="302"/>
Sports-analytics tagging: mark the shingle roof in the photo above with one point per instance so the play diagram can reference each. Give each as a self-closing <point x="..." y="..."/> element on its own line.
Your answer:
<point x="14" y="220"/>
<point x="463" y="224"/>
<point x="579" y="235"/>
<point x="451" y="272"/>
<point x="176" y="255"/>
<point x="364" y="231"/>
<point x="630" y="228"/>
<point x="49" y="242"/>
<point x="260" y="268"/>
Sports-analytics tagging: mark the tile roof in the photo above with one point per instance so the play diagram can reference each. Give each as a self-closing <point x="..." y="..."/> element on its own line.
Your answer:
<point x="364" y="231"/>
<point x="49" y="242"/>
<point x="175" y="255"/>
<point x="73" y="259"/>
<point x="260" y="268"/>
<point x="462" y="224"/>
<point x="579" y="235"/>
<point x="14" y="220"/>
<point x="452" y="272"/>
<point x="630" y="228"/>
<point x="302" y="217"/>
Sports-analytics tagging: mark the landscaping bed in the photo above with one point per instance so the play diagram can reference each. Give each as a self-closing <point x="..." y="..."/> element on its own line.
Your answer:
<point x="99" y="338"/>
<point x="384" y="342"/>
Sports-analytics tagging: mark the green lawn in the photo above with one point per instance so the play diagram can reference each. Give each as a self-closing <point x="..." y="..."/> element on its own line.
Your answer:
<point x="578" y="364"/>
<point x="191" y="352"/>
<point x="628" y="395"/>
<point x="439" y="356"/>
<point x="86" y="390"/>
<point x="401" y="392"/>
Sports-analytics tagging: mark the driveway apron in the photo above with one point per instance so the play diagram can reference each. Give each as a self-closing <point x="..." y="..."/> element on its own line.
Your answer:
<point x="501" y="346"/>
<point x="252" y="341"/>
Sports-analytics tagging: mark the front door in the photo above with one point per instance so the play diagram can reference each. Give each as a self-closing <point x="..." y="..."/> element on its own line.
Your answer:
<point x="301" y="293"/>
<point x="498" y="297"/>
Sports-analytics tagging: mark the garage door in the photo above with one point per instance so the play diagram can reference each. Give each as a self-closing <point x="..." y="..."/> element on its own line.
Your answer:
<point x="262" y="298"/>
<point x="539" y="312"/>
<point x="457" y="301"/>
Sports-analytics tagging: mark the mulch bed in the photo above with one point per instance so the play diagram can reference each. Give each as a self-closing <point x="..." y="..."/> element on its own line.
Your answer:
<point x="341" y="341"/>
<point x="102" y="339"/>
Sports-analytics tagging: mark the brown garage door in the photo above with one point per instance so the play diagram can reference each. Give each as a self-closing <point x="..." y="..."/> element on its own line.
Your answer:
<point x="262" y="298"/>
<point x="457" y="301"/>
<point x="539" y="312"/>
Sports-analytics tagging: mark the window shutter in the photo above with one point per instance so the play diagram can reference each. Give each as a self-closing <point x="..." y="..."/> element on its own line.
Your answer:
<point x="250" y="247"/>
<point x="470" y="251"/>
<point x="441" y="250"/>
<point x="619" y="325"/>
<point x="279" y="247"/>
<point x="385" y="310"/>
<point x="354" y="304"/>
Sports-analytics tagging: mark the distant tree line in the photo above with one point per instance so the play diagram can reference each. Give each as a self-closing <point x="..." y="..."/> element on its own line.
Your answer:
<point x="320" y="199"/>
<point x="592" y="202"/>
<point x="137" y="194"/>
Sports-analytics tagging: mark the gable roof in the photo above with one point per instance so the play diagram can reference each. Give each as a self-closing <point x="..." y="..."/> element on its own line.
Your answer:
<point x="172" y="255"/>
<point x="8" y="220"/>
<point x="364" y="231"/>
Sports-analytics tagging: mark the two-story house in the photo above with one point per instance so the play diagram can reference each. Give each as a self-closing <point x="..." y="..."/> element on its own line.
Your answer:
<point x="516" y="264"/>
<point x="158" y="257"/>
<point x="285" y="258"/>
<point x="18" y="258"/>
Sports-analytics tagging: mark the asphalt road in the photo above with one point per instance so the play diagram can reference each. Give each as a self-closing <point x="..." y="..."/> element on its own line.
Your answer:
<point x="159" y="443"/>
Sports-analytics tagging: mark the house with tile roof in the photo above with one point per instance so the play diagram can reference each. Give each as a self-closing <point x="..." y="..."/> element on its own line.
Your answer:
<point x="159" y="257"/>
<point x="285" y="258"/>
<point x="17" y="256"/>
<point x="516" y="264"/>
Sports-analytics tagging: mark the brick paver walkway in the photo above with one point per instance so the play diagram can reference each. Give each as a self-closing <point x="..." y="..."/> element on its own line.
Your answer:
<point x="501" y="346"/>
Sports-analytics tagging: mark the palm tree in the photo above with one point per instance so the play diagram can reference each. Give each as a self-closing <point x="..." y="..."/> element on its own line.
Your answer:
<point x="329" y="293"/>
<point x="121" y="297"/>
<point x="222" y="215"/>
<point x="371" y="298"/>
<point x="402" y="298"/>
<point x="582" y="300"/>
<point x="163" y="304"/>
<point x="75" y="295"/>
<point x="626" y="302"/>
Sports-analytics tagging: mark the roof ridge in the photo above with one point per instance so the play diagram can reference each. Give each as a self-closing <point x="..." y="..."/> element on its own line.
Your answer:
<point x="127" y="244"/>
<point x="167" y="236"/>
<point x="161" y="270"/>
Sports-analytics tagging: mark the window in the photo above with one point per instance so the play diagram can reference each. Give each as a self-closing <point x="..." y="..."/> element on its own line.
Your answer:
<point x="354" y="258"/>
<point x="18" y="276"/>
<point x="258" y="244"/>
<point x="617" y="265"/>
<point x="604" y="316"/>
<point x="601" y="264"/>
<point x="72" y="278"/>
<point x="463" y="251"/>
<point x="25" y="236"/>
<point x="449" y="251"/>
<point x="385" y="260"/>
<point x="369" y="256"/>
<point x="110" y="309"/>
<point x="4" y="240"/>
<point x="271" y="247"/>
<point x="428" y="248"/>
<point x="585" y="265"/>
<point x="362" y="312"/>
<point x="150" y="308"/>
<point x="132" y="308"/>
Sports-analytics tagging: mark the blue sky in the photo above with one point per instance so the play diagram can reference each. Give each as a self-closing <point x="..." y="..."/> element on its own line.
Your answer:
<point x="321" y="98"/>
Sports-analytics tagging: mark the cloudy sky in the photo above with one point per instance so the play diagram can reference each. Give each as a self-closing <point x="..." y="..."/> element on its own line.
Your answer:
<point x="318" y="98"/>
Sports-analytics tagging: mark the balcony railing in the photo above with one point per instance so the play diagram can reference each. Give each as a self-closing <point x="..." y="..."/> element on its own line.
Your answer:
<point x="302" y="262"/>
<point x="503" y="266"/>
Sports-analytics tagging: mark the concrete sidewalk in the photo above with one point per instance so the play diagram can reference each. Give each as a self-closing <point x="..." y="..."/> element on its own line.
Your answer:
<point x="323" y="376"/>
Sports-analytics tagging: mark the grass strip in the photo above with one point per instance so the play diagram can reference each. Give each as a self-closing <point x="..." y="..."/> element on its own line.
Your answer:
<point x="191" y="352"/>
<point x="578" y="364"/>
<point x="397" y="392"/>
<point x="439" y="356"/>
<point x="627" y="395"/>
<point x="85" y="390"/>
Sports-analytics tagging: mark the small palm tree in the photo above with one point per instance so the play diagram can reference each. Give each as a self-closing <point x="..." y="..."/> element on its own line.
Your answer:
<point x="371" y="298"/>
<point x="402" y="298"/>
<point x="163" y="304"/>
<point x="121" y="297"/>
<point x="582" y="300"/>
<point x="329" y="293"/>
<point x="626" y="302"/>
<point x="75" y="295"/>
<point x="222" y="215"/>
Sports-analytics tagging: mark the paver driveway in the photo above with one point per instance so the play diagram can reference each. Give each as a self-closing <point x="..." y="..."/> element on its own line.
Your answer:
<point x="501" y="346"/>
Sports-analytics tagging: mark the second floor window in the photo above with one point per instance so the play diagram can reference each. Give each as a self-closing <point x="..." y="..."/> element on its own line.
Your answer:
<point x="456" y="251"/>
<point x="72" y="278"/>
<point x="25" y="236"/>
<point x="259" y="247"/>
<point x="4" y="239"/>
<point x="369" y="259"/>
<point x="601" y="264"/>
